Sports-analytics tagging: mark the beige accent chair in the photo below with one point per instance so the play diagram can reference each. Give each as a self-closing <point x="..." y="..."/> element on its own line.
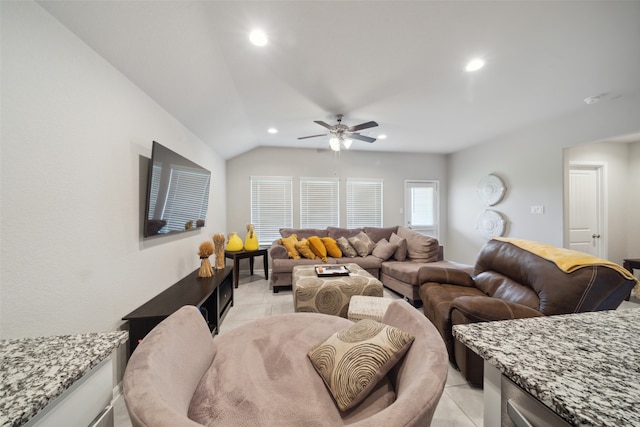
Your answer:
<point x="258" y="374"/>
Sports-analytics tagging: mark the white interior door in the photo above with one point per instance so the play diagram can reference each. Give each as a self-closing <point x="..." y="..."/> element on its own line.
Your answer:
<point x="421" y="207"/>
<point x="586" y="210"/>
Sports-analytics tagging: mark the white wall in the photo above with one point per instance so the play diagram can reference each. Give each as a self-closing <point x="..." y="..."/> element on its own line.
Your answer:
<point x="76" y="136"/>
<point x="615" y="157"/>
<point x="393" y="168"/>
<point x="530" y="161"/>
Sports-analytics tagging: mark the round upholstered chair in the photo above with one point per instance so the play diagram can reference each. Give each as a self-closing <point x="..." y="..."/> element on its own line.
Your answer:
<point x="260" y="374"/>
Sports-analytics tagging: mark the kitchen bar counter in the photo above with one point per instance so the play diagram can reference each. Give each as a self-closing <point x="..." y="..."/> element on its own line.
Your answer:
<point x="585" y="367"/>
<point x="35" y="371"/>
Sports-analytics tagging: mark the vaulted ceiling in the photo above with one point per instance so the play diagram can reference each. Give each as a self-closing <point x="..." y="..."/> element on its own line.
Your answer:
<point x="400" y="63"/>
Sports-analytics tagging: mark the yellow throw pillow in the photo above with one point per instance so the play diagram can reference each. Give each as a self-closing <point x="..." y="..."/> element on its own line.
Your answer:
<point x="290" y="244"/>
<point x="318" y="248"/>
<point x="333" y="250"/>
<point x="303" y="247"/>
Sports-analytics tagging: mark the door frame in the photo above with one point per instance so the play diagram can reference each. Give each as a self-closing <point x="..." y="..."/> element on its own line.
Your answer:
<point x="601" y="173"/>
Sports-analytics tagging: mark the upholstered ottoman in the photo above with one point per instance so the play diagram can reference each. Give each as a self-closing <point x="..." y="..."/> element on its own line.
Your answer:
<point x="366" y="307"/>
<point x="331" y="295"/>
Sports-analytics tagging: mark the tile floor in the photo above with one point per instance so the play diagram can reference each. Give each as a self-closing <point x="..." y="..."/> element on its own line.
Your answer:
<point x="460" y="406"/>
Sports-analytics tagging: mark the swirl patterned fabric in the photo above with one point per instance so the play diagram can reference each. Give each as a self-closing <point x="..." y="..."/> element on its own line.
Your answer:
<point x="352" y="361"/>
<point x="331" y="295"/>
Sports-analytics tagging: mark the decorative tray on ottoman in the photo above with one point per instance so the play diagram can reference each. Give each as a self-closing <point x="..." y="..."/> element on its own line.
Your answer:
<point x="331" y="270"/>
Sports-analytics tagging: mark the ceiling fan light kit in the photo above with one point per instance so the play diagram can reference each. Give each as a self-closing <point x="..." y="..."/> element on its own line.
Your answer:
<point x="343" y="135"/>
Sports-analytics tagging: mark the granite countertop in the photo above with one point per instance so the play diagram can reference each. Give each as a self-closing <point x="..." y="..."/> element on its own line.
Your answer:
<point x="34" y="371"/>
<point x="585" y="367"/>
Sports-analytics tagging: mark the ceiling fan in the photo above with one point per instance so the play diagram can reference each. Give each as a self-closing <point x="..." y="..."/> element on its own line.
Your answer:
<point x="343" y="134"/>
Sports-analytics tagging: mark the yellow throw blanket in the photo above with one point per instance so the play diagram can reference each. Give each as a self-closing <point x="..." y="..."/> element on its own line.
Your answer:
<point x="567" y="260"/>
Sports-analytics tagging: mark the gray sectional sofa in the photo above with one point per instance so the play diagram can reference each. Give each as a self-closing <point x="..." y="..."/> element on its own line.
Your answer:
<point x="398" y="273"/>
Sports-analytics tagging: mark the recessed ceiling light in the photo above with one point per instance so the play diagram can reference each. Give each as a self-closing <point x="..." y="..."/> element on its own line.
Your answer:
<point x="382" y="136"/>
<point x="474" y="65"/>
<point x="258" y="37"/>
<point x="272" y="130"/>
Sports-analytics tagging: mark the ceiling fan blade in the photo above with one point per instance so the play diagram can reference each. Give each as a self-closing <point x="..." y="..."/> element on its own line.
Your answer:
<point x="321" y="123"/>
<point x="362" y="126"/>
<point x="313" y="136"/>
<point x="361" y="137"/>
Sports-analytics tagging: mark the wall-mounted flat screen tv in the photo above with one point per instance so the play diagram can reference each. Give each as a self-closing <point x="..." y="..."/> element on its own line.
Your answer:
<point x="177" y="193"/>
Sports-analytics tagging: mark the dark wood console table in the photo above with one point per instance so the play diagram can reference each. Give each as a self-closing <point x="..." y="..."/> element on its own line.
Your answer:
<point x="212" y="295"/>
<point x="238" y="255"/>
<point x="631" y="264"/>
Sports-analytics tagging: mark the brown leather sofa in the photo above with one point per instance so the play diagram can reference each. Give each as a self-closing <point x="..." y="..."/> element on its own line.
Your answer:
<point x="509" y="282"/>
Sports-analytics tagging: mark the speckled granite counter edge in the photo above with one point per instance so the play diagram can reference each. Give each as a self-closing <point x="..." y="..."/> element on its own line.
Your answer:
<point x="35" y="371"/>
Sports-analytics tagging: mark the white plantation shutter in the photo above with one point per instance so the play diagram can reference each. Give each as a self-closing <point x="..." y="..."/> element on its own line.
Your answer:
<point x="319" y="202"/>
<point x="364" y="203"/>
<point x="187" y="199"/>
<point x="271" y="207"/>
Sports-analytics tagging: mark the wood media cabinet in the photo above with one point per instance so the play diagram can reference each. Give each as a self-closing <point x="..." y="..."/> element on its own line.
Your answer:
<point x="212" y="295"/>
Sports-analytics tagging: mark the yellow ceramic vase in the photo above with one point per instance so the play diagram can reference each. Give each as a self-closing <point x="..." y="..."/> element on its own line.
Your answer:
<point x="251" y="241"/>
<point x="235" y="243"/>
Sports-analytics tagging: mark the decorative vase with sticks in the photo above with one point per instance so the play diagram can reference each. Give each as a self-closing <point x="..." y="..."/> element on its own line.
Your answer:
<point x="206" y="250"/>
<point x="218" y="242"/>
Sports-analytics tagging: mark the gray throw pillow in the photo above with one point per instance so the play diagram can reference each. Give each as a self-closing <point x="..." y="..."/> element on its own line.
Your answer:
<point x="401" y="252"/>
<point x="384" y="250"/>
<point x="346" y="248"/>
<point x="352" y="361"/>
<point x="362" y="244"/>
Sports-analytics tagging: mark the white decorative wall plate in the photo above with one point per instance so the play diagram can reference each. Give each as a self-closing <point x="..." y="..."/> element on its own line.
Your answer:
<point x="490" y="224"/>
<point x="490" y="189"/>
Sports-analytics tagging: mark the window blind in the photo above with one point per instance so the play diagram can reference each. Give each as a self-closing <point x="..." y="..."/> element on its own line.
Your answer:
<point x="421" y="206"/>
<point x="364" y="203"/>
<point x="319" y="202"/>
<point x="271" y="207"/>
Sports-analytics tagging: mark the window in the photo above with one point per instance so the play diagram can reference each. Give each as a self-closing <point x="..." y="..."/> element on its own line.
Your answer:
<point x="319" y="202"/>
<point x="271" y="206"/>
<point x="364" y="203"/>
<point x="421" y="207"/>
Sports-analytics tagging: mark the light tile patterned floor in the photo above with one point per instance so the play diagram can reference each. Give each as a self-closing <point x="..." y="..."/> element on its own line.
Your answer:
<point x="461" y="405"/>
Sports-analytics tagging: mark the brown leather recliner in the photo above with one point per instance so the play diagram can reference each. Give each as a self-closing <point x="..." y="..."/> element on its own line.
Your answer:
<point x="509" y="282"/>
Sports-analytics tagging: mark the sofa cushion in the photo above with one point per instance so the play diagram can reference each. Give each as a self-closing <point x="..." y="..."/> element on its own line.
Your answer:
<point x="384" y="250"/>
<point x="378" y="233"/>
<point x="336" y="232"/>
<point x="267" y="379"/>
<point x="333" y="250"/>
<point x="352" y="361"/>
<point x="318" y="248"/>
<point x="305" y="250"/>
<point x="290" y="244"/>
<point x="362" y="244"/>
<point x="346" y="248"/>
<point x="369" y="263"/>
<point x="282" y="266"/>
<point x="419" y="247"/>
<point x="401" y="252"/>
<point x="303" y="233"/>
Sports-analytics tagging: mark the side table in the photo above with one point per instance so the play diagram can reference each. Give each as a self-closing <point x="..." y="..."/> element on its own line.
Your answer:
<point x="236" y="256"/>
<point x="630" y="264"/>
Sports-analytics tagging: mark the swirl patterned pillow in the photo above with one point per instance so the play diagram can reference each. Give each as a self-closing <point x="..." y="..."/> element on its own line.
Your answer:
<point x="362" y="244"/>
<point x="352" y="361"/>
